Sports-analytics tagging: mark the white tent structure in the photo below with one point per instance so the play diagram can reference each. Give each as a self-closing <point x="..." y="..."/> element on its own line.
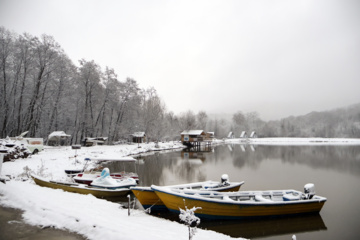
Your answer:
<point x="58" y="138"/>
<point x="243" y="134"/>
<point x="230" y="135"/>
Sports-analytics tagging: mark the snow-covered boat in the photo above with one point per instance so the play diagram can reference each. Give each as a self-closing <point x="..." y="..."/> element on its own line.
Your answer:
<point x="74" y="171"/>
<point x="88" y="177"/>
<point x="148" y="198"/>
<point x="242" y="204"/>
<point x="105" y="193"/>
<point x="106" y="181"/>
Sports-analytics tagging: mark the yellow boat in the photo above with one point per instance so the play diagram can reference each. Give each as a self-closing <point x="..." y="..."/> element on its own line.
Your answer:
<point x="243" y="204"/>
<point x="82" y="188"/>
<point x="149" y="200"/>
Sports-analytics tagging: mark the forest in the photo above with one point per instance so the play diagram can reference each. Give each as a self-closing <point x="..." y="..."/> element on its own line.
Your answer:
<point x="42" y="90"/>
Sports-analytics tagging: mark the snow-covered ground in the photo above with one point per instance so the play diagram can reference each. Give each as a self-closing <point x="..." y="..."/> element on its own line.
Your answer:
<point x="84" y="214"/>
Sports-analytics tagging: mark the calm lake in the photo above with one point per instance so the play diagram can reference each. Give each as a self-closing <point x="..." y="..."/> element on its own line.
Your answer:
<point x="334" y="169"/>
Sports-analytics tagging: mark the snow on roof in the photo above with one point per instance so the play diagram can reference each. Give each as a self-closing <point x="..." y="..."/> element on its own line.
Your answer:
<point x="59" y="134"/>
<point x="139" y="134"/>
<point x="192" y="132"/>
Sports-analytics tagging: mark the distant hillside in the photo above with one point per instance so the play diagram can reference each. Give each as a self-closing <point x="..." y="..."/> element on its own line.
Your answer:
<point x="341" y="122"/>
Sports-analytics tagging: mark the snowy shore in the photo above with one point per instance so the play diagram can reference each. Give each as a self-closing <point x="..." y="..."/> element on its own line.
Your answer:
<point x="84" y="214"/>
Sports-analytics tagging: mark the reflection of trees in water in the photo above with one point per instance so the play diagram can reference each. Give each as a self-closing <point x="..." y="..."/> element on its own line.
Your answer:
<point x="341" y="158"/>
<point x="156" y="168"/>
<point x="185" y="169"/>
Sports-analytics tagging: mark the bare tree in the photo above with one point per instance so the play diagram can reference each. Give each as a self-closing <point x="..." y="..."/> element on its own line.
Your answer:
<point x="6" y="49"/>
<point x="46" y="55"/>
<point x="187" y="120"/>
<point x="152" y="113"/>
<point x="127" y="99"/>
<point x="239" y="121"/>
<point x="109" y="82"/>
<point x="24" y="59"/>
<point x="89" y="79"/>
<point x="61" y="89"/>
<point x="201" y="119"/>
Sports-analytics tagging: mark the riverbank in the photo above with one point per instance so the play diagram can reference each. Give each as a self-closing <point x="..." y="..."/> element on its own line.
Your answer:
<point x="12" y="226"/>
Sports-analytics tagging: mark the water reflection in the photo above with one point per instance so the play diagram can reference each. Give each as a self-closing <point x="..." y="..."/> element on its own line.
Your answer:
<point x="340" y="158"/>
<point x="267" y="227"/>
<point x="259" y="228"/>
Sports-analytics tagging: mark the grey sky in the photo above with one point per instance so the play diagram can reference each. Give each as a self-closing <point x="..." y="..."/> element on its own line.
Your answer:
<point x="278" y="58"/>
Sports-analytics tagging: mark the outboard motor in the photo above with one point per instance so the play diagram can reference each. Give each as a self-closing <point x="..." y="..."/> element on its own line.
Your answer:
<point x="309" y="190"/>
<point x="225" y="180"/>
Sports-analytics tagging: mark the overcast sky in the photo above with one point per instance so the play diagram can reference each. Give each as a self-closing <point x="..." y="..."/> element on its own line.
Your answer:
<point x="278" y="58"/>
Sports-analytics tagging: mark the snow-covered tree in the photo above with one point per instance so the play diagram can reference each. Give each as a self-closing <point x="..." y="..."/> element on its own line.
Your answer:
<point x="188" y="217"/>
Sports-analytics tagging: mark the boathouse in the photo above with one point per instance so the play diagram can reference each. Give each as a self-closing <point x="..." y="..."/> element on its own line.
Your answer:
<point x="193" y="137"/>
<point x="210" y="136"/>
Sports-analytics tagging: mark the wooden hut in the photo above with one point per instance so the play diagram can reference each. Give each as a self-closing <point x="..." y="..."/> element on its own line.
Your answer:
<point x="193" y="136"/>
<point x="138" y="137"/>
<point x="210" y="136"/>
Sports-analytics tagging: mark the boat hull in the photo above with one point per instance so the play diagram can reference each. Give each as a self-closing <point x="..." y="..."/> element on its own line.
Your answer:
<point x="149" y="199"/>
<point x="237" y="210"/>
<point x="82" y="189"/>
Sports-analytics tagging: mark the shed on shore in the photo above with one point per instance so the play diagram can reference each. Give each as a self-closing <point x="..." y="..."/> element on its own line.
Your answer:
<point x="58" y="138"/>
<point x="138" y="137"/>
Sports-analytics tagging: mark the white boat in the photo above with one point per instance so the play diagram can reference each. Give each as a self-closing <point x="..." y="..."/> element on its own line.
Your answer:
<point x="88" y="177"/>
<point x="106" y="181"/>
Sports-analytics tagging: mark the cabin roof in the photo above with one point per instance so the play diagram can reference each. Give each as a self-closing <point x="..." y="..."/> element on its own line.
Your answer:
<point x="138" y="134"/>
<point x="59" y="134"/>
<point x="192" y="132"/>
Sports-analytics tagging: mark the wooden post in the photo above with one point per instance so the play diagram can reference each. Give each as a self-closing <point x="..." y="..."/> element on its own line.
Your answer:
<point x="128" y="204"/>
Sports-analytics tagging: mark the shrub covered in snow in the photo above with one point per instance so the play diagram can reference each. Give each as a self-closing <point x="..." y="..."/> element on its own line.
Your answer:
<point x="188" y="217"/>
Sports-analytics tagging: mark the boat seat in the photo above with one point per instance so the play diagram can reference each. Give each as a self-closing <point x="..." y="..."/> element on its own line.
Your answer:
<point x="291" y="197"/>
<point x="227" y="198"/>
<point x="260" y="198"/>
